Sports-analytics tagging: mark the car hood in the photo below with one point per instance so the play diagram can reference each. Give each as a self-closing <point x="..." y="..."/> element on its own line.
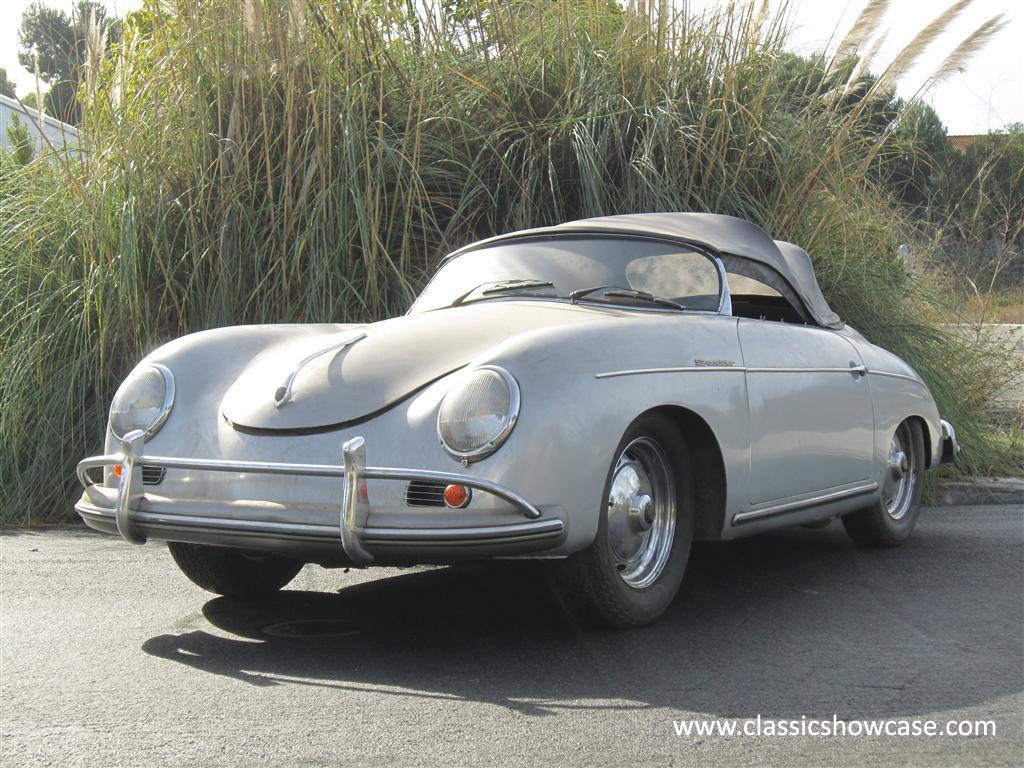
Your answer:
<point x="392" y="360"/>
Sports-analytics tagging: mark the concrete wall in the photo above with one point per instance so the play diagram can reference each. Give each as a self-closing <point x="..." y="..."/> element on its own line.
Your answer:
<point x="59" y="134"/>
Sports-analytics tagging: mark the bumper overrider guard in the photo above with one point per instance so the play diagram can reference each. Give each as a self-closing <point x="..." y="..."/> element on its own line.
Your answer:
<point x="950" y="446"/>
<point x="354" y="508"/>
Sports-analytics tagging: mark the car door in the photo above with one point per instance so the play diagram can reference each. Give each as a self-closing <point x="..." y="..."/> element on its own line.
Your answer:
<point x="811" y="417"/>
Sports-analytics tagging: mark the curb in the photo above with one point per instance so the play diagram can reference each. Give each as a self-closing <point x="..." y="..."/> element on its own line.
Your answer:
<point x="981" y="490"/>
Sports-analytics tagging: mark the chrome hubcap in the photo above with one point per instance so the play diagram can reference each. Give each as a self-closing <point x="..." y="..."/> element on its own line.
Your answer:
<point x="641" y="513"/>
<point x="901" y="478"/>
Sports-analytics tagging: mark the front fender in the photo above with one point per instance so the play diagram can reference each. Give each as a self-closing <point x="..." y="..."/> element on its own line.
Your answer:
<point x="573" y="414"/>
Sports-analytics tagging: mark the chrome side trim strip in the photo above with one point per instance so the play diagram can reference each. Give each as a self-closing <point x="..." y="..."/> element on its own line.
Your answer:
<point x="856" y="370"/>
<point x="793" y="506"/>
<point x="829" y="369"/>
<point x="680" y="369"/>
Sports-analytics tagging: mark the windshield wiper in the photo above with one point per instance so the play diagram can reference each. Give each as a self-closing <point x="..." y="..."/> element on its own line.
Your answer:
<point x="618" y="292"/>
<point x="515" y="285"/>
<point x="502" y="286"/>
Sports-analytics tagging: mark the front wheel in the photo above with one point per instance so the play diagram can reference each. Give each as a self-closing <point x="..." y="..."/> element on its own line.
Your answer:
<point x="890" y="521"/>
<point x="633" y="569"/>
<point x="233" y="572"/>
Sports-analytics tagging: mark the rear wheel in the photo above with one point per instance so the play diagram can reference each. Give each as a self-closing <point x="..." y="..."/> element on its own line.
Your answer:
<point x="632" y="571"/>
<point x="233" y="572"/>
<point x="890" y="521"/>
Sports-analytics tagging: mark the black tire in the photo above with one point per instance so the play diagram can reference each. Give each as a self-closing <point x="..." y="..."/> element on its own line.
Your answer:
<point x="589" y="584"/>
<point x="233" y="572"/>
<point x="874" y="526"/>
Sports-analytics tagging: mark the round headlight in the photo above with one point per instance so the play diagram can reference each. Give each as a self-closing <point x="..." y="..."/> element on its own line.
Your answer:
<point x="143" y="401"/>
<point x="478" y="413"/>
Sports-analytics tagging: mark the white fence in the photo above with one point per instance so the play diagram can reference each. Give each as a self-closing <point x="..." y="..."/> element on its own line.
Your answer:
<point x="58" y="134"/>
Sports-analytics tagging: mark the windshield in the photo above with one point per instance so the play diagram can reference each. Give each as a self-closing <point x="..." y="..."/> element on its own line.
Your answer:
<point x="555" y="267"/>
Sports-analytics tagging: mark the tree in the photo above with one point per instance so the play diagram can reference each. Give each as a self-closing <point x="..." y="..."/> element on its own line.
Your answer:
<point x="21" y="143"/>
<point x="985" y="186"/>
<point x="920" y="150"/>
<point x="6" y="86"/>
<point x="979" y="202"/>
<point x="54" y="44"/>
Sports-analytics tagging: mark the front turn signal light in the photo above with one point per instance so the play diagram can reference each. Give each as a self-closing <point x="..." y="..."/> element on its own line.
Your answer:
<point x="457" y="496"/>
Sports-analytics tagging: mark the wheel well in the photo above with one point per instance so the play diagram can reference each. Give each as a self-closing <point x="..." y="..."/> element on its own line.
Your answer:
<point x="927" y="439"/>
<point x="706" y="468"/>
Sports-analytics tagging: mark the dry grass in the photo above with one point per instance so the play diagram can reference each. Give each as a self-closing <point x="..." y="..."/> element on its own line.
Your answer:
<point x="311" y="162"/>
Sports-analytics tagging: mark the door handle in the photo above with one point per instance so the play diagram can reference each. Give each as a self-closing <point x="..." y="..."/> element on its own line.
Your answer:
<point x="858" y="370"/>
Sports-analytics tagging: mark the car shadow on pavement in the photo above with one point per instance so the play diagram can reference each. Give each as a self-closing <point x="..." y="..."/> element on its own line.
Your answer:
<point x="791" y="623"/>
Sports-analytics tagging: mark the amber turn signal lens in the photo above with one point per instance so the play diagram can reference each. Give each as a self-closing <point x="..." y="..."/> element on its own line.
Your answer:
<point x="456" y="496"/>
<point x="117" y="470"/>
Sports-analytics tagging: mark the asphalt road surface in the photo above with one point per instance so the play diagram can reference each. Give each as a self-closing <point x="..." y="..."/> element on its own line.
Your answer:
<point x="110" y="657"/>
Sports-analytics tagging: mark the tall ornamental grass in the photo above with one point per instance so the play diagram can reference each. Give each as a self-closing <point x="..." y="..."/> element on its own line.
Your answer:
<point x="263" y="162"/>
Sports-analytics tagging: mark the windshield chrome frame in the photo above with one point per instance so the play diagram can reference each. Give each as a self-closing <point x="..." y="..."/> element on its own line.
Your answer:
<point x="724" y="299"/>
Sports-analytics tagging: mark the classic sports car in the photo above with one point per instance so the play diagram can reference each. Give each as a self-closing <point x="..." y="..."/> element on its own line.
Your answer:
<point x="597" y="394"/>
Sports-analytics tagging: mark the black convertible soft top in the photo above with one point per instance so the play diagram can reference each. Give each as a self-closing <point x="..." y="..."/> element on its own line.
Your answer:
<point x="728" y="234"/>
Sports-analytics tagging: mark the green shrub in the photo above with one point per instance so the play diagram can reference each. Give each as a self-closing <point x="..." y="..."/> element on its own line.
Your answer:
<point x="21" y="143"/>
<point x="313" y="162"/>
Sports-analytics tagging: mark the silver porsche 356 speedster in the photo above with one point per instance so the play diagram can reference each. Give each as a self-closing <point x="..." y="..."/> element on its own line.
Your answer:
<point x="598" y="394"/>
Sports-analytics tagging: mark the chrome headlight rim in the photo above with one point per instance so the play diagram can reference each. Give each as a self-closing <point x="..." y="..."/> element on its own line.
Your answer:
<point x="165" y="406"/>
<point x="507" y="424"/>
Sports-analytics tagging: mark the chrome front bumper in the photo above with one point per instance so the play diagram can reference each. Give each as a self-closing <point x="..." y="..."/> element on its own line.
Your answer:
<point x="950" y="446"/>
<point x="352" y="532"/>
